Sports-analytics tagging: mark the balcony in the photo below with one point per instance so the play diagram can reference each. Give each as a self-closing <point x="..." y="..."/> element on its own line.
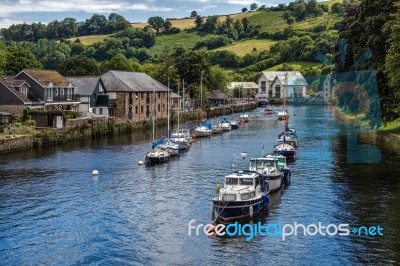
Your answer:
<point x="65" y="98"/>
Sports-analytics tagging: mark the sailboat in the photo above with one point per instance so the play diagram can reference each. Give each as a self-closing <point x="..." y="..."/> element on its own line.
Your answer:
<point x="284" y="114"/>
<point x="179" y="136"/>
<point x="243" y="117"/>
<point x="168" y="144"/>
<point x="204" y="129"/>
<point x="156" y="155"/>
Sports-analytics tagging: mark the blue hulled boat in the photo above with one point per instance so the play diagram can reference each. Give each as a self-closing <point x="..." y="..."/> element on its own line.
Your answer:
<point x="244" y="195"/>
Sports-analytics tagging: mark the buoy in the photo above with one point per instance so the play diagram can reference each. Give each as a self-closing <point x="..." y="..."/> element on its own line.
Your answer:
<point x="140" y="163"/>
<point x="211" y="228"/>
<point x="95" y="172"/>
<point x="251" y="211"/>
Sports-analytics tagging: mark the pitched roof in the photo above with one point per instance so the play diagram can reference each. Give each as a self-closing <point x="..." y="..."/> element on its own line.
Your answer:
<point x="122" y="81"/>
<point x="174" y="95"/>
<point x="294" y="78"/>
<point x="244" y="85"/>
<point x="84" y="85"/>
<point x="45" y="77"/>
<point x="216" y="95"/>
<point x="10" y="82"/>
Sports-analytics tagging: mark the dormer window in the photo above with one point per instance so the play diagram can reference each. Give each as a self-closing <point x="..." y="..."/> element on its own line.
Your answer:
<point x="24" y="90"/>
<point x="100" y="88"/>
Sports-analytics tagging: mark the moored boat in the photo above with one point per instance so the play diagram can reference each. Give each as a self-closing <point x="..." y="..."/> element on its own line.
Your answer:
<point x="282" y="166"/>
<point x="286" y="150"/>
<point x="287" y="137"/>
<point x="268" y="166"/>
<point x="244" y="117"/>
<point x="234" y="124"/>
<point x="225" y="125"/>
<point x="216" y="129"/>
<point x="283" y="114"/>
<point x="156" y="156"/>
<point x="244" y="195"/>
<point x="202" y="131"/>
<point x="269" y="110"/>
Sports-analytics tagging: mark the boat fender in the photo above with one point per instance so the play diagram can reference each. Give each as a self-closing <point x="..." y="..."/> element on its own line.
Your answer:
<point x="258" y="207"/>
<point x="265" y="199"/>
<point x="211" y="228"/>
<point x="217" y="188"/>
<point x="251" y="211"/>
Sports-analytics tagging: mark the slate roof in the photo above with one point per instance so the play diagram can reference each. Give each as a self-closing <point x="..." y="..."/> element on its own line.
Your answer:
<point x="44" y="77"/>
<point x="217" y="95"/>
<point x="84" y="85"/>
<point x="122" y="81"/>
<point x="294" y="78"/>
<point x="10" y="82"/>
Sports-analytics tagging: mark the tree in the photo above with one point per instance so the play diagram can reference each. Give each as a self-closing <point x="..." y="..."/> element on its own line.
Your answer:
<point x="313" y="8"/>
<point x="156" y="23"/>
<point x="117" y="23"/>
<point x="79" y="66"/>
<point x="211" y="24"/>
<point x="217" y="79"/>
<point x="18" y="59"/>
<point x="193" y="14"/>
<point x="223" y="58"/>
<point x="244" y="9"/>
<point x="120" y="62"/>
<point x="337" y="8"/>
<point x="199" y="22"/>
<point x="3" y="58"/>
<point x="299" y="11"/>
<point x="190" y="65"/>
<point x="246" y="24"/>
<point x="253" y="6"/>
<point x="238" y="26"/>
<point x="228" y="22"/>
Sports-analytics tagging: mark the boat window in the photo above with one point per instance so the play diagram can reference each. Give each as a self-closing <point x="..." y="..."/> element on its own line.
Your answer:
<point x="231" y="181"/>
<point x="245" y="196"/>
<point x="252" y="194"/>
<point x="229" y="197"/>
<point x="257" y="181"/>
<point x="246" y="181"/>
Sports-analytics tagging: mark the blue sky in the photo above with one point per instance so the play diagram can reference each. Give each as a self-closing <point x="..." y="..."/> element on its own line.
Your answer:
<point x="19" y="11"/>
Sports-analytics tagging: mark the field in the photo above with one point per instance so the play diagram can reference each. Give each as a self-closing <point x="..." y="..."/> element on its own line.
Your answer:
<point x="309" y="23"/>
<point x="184" y="39"/>
<point x="269" y="21"/>
<point x="91" y="39"/>
<point x="243" y="47"/>
<point x="188" y="23"/>
<point x="297" y="66"/>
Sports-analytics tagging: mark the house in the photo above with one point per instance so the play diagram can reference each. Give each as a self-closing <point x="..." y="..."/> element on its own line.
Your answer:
<point x="5" y="118"/>
<point x="279" y="84"/>
<point x="51" y="87"/>
<point x="16" y="95"/>
<point x="217" y="98"/>
<point x="85" y="90"/>
<point x="249" y="88"/>
<point x="131" y="95"/>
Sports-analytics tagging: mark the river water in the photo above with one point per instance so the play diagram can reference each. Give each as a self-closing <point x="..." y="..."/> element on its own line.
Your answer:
<point x="52" y="211"/>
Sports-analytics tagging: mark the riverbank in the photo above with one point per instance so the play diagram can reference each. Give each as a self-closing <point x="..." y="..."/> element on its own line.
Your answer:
<point x="23" y="138"/>
<point x="387" y="139"/>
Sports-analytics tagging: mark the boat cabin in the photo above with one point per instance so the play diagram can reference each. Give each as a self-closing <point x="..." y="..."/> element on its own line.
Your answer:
<point x="242" y="186"/>
<point x="263" y="165"/>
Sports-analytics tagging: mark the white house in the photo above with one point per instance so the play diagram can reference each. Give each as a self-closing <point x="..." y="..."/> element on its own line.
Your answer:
<point x="273" y="83"/>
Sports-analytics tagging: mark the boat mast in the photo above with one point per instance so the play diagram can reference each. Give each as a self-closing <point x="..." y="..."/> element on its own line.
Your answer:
<point x="284" y="92"/>
<point x="154" y="103"/>
<point x="168" y="109"/>
<point x="179" y="104"/>
<point x="201" y="95"/>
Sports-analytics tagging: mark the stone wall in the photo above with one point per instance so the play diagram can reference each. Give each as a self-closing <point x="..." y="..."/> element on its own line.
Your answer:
<point x="15" y="110"/>
<point x="17" y="143"/>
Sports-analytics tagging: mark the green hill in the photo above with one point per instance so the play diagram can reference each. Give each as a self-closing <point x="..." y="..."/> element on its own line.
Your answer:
<point x="297" y="66"/>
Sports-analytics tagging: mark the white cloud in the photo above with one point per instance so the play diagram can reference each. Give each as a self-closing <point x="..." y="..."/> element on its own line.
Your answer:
<point x="7" y="22"/>
<point x="8" y="9"/>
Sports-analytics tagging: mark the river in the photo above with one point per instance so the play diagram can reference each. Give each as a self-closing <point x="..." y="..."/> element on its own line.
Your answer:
<point x="53" y="211"/>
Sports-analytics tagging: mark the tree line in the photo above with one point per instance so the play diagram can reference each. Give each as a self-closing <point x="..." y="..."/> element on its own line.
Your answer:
<point x="67" y="28"/>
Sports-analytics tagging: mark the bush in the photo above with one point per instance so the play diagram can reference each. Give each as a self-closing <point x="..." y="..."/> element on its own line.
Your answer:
<point x="1" y="129"/>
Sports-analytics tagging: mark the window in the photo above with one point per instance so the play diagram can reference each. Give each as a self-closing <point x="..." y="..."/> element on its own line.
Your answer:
<point x="100" y="88"/>
<point x="24" y="90"/>
<point x="94" y="110"/>
<point x="100" y="111"/>
<point x="49" y="94"/>
<point x="136" y="110"/>
<point x="263" y="87"/>
<point x="231" y="181"/>
<point x="130" y="110"/>
<point x="246" y="181"/>
<point x="252" y="194"/>
<point x="130" y="95"/>
<point x="229" y="197"/>
<point x="142" y="95"/>
<point x="245" y="196"/>
<point x="159" y="107"/>
<point x="141" y="109"/>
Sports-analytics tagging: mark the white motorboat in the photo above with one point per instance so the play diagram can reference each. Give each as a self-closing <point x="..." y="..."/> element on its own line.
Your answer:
<point x="244" y="117"/>
<point x="225" y="125"/>
<point x="244" y="195"/>
<point x="171" y="147"/>
<point x="216" y="129"/>
<point x="283" y="114"/>
<point x="286" y="150"/>
<point x="268" y="166"/>
<point x="202" y="131"/>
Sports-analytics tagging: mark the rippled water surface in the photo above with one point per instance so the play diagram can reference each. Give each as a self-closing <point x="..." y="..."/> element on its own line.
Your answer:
<point x="52" y="211"/>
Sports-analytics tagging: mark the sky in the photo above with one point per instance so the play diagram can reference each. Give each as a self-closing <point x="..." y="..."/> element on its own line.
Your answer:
<point x="45" y="11"/>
